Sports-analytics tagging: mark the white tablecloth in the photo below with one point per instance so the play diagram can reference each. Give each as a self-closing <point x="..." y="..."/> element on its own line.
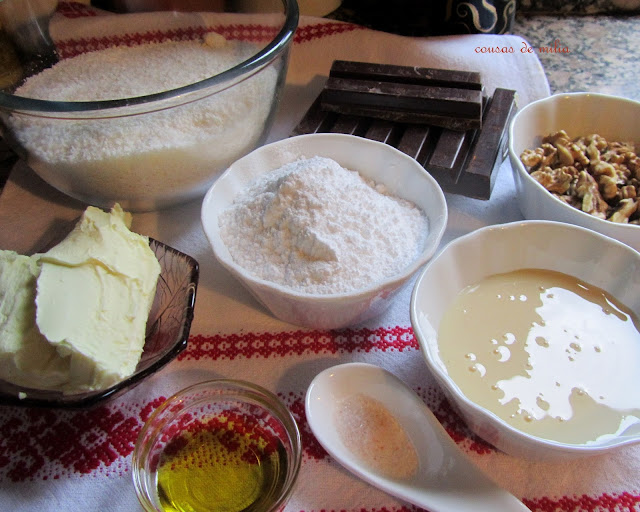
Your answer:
<point x="52" y="460"/>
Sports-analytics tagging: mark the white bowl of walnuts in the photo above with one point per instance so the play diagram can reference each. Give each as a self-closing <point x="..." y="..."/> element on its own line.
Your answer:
<point x="575" y="160"/>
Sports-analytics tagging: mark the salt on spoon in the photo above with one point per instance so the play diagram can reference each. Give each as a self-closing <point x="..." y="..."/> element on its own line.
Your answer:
<point x="351" y="405"/>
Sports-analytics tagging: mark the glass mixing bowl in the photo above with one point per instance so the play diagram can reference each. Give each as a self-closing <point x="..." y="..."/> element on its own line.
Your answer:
<point x="141" y="102"/>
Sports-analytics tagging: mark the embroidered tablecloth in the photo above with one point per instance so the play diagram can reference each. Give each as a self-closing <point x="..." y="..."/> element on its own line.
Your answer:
<point x="56" y="460"/>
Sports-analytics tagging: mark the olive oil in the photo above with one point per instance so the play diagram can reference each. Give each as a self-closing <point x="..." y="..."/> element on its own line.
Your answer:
<point x="222" y="467"/>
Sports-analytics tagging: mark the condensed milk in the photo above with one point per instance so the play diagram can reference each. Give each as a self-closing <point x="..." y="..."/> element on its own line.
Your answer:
<point x="551" y="355"/>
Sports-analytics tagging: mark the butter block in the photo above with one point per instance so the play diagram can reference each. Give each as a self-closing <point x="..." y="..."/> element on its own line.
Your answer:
<point x="26" y="357"/>
<point x="73" y="319"/>
<point x="94" y="293"/>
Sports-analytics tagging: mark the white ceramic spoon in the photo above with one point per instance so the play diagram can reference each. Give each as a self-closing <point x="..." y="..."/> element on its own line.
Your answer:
<point x="445" y="481"/>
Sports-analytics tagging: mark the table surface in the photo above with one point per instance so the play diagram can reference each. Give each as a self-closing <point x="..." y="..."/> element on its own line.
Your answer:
<point x="586" y="53"/>
<point x="598" y="51"/>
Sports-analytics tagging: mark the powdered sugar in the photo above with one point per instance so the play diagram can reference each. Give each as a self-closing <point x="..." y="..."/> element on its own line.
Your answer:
<point x="317" y="227"/>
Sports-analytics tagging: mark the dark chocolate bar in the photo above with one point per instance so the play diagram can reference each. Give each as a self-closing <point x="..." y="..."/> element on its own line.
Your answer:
<point x="463" y="162"/>
<point x="451" y="99"/>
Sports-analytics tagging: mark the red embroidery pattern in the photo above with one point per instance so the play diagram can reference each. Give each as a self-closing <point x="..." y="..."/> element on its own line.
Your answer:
<point x="255" y="33"/>
<point x="298" y="343"/>
<point x="618" y="502"/>
<point x="43" y="444"/>
<point x="310" y="32"/>
<point x="311" y="448"/>
<point x="249" y="32"/>
<point x="74" y="47"/>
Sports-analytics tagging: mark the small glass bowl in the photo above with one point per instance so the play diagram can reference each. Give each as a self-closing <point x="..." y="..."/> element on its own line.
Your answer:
<point x="218" y="445"/>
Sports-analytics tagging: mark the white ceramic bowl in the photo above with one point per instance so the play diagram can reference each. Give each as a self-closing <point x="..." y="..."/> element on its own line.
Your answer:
<point x="582" y="253"/>
<point x="615" y="118"/>
<point x="403" y="177"/>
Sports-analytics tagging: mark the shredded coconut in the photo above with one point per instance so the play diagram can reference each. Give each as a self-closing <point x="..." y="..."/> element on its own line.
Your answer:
<point x="129" y="71"/>
<point x="151" y="155"/>
<point x="317" y="227"/>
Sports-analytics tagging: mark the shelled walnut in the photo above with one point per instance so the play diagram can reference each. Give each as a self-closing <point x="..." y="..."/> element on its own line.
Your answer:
<point x="599" y="177"/>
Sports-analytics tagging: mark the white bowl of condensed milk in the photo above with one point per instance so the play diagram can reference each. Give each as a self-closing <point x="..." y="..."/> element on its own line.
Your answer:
<point x="531" y="329"/>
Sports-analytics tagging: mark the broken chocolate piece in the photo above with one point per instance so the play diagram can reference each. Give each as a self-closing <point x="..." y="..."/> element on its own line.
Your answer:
<point x="449" y="157"/>
<point x="406" y="74"/>
<point x="417" y="142"/>
<point x="447" y="149"/>
<point x="352" y="125"/>
<point x="448" y="98"/>
<point x="489" y="148"/>
<point x="315" y="120"/>
<point x="384" y="131"/>
<point x="454" y="108"/>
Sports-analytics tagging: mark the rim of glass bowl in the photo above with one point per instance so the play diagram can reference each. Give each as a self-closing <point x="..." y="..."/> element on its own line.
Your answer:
<point x="165" y="99"/>
<point x="185" y="399"/>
